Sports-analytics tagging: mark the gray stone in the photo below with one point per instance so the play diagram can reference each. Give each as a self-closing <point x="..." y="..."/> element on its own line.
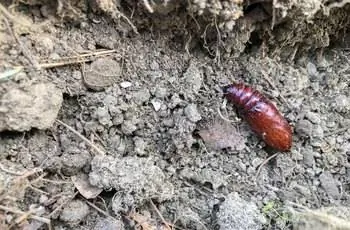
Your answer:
<point x="34" y="106"/>
<point x="330" y="185"/>
<point x="103" y="116"/>
<point x="342" y="103"/>
<point x="313" y="117"/>
<point x="136" y="179"/>
<point x="238" y="214"/>
<point x="128" y="127"/>
<point x="303" y="128"/>
<point x="141" y="96"/>
<point x="192" y="113"/>
<point x="157" y="104"/>
<point x="193" y="78"/>
<point x="140" y="146"/>
<point x="75" y="211"/>
<point x="109" y="224"/>
<point x="308" y="157"/>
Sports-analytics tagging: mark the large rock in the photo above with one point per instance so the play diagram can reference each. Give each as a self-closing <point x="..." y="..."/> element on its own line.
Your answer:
<point x="34" y="106"/>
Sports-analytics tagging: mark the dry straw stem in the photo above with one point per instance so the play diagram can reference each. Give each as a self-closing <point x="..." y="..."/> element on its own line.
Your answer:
<point x="92" y="145"/>
<point x="333" y="222"/>
<point x="264" y="163"/>
<point x="13" y="18"/>
<point x="160" y="216"/>
<point x="27" y="214"/>
<point x="82" y="58"/>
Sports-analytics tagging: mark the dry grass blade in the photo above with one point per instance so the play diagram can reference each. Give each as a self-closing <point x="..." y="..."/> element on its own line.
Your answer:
<point x="11" y="17"/>
<point x="92" y="145"/>
<point x="319" y="217"/>
<point x="264" y="163"/>
<point x="160" y="216"/>
<point x="73" y="60"/>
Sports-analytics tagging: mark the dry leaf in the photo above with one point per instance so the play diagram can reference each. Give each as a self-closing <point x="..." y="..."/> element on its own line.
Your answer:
<point x="81" y="182"/>
<point x="222" y="135"/>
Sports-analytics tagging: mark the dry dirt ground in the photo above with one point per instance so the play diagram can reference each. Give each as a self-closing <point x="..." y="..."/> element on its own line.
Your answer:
<point x="112" y="115"/>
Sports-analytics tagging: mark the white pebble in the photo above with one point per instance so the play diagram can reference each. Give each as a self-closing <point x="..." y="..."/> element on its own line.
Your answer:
<point x="157" y="104"/>
<point x="125" y="84"/>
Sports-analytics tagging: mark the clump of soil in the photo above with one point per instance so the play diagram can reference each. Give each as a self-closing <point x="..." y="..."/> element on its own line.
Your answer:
<point x="112" y="115"/>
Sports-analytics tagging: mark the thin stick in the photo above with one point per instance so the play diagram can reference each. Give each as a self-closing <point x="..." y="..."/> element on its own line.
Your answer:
<point x="92" y="145"/>
<point x="31" y="216"/>
<point x="9" y="171"/>
<point x="26" y="52"/>
<point x="272" y="84"/>
<point x="222" y="116"/>
<point x="63" y="204"/>
<point x="73" y="60"/>
<point x="148" y="6"/>
<point x="7" y="14"/>
<point x="99" y="210"/>
<point x="264" y="163"/>
<point x="337" y="131"/>
<point x="160" y="215"/>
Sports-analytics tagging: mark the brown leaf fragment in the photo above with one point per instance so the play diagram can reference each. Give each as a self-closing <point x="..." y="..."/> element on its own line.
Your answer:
<point x="81" y="182"/>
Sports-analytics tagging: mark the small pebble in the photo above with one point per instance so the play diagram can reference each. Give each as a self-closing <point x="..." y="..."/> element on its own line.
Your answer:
<point x="140" y="146"/>
<point x="125" y="84"/>
<point x="75" y="211"/>
<point x="303" y="128"/>
<point x="141" y="96"/>
<point x="157" y="104"/>
<point x="313" y="117"/>
<point x="329" y="184"/>
<point x="312" y="70"/>
<point x="192" y="113"/>
<point x="128" y="127"/>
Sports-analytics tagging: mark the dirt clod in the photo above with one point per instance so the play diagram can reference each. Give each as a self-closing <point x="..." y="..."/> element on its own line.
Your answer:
<point x="237" y="214"/>
<point x="75" y="212"/>
<point x="34" y="106"/>
<point x="330" y="185"/>
<point x="222" y="135"/>
<point x="135" y="179"/>
<point x="192" y="113"/>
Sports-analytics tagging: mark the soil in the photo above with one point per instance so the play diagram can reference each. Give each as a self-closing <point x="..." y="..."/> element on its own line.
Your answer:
<point x="114" y="118"/>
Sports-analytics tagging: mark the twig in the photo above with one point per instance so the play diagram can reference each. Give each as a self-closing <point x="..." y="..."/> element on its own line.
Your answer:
<point x="8" y="15"/>
<point x="73" y="60"/>
<point x="26" y="52"/>
<point x="63" y="204"/>
<point x="341" y="130"/>
<point x="120" y="14"/>
<point x="99" y="210"/>
<point x="264" y="163"/>
<point x="338" y="4"/>
<point x="222" y="116"/>
<point x="31" y="216"/>
<point x="92" y="145"/>
<point x="9" y="171"/>
<point x="160" y="215"/>
<point x="7" y="74"/>
<point x="272" y="84"/>
<point x="148" y="6"/>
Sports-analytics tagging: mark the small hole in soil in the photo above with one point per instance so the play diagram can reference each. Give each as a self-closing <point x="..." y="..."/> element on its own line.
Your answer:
<point x="208" y="185"/>
<point x="195" y="146"/>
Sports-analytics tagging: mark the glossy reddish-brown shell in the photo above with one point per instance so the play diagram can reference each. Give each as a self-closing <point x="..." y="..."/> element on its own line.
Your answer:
<point x="261" y="115"/>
